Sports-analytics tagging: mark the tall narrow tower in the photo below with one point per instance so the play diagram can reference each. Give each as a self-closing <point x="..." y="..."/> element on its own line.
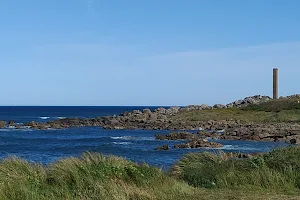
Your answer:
<point x="275" y="83"/>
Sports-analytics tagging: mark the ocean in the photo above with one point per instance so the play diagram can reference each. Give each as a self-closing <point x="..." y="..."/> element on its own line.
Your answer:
<point x="48" y="146"/>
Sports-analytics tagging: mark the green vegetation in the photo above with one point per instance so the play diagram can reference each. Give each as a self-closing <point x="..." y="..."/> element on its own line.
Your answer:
<point x="273" y="111"/>
<point x="275" y="105"/>
<point x="196" y="176"/>
<point x="92" y="176"/>
<point x="243" y="116"/>
<point x="274" y="172"/>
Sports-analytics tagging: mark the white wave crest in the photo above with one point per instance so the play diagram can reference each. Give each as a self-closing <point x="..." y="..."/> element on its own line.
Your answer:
<point x="4" y="130"/>
<point x="123" y="138"/>
<point x="44" y="118"/>
<point x="61" y="117"/>
<point x="122" y="143"/>
<point x="233" y="147"/>
<point x="145" y="138"/>
<point x="227" y="147"/>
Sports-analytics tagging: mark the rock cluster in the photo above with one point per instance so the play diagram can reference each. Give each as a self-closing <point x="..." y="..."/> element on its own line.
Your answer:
<point x="194" y="140"/>
<point x="160" y="119"/>
<point x="249" y="101"/>
<point x="200" y="143"/>
<point x="197" y="107"/>
<point x="177" y="136"/>
<point x="263" y="132"/>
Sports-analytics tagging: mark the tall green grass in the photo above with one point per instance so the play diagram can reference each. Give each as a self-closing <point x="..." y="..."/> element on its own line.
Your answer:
<point x="277" y="171"/>
<point x="92" y="176"/>
<point x="196" y="176"/>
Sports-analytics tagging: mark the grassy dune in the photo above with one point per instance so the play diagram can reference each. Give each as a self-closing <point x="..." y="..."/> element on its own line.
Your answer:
<point x="273" y="111"/>
<point x="195" y="176"/>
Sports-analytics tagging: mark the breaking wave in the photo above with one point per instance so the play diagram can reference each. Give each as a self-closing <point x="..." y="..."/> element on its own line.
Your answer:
<point x="122" y="143"/>
<point x="234" y="147"/>
<point x="44" y="118"/>
<point x="123" y="138"/>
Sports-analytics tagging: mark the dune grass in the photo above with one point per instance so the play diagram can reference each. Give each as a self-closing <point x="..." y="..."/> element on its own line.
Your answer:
<point x="92" y="176"/>
<point x="274" y="172"/>
<point x="196" y="176"/>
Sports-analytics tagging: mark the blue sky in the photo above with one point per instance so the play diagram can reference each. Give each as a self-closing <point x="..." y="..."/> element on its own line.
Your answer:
<point x="146" y="52"/>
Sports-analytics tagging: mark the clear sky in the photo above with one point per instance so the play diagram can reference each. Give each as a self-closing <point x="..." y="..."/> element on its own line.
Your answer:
<point x="146" y="52"/>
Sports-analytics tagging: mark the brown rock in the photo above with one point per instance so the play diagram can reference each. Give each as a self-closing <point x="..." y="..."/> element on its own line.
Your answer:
<point x="164" y="148"/>
<point x="199" y="144"/>
<point x="177" y="136"/>
<point x="2" y="124"/>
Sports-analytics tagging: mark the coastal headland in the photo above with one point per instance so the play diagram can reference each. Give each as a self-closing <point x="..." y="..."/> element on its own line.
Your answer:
<point x="258" y="118"/>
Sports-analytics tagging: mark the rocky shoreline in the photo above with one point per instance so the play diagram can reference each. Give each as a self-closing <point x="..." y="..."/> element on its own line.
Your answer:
<point x="161" y="119"/>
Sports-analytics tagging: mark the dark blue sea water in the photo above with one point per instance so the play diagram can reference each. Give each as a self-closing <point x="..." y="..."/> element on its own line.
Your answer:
<point x="47" y="146"/>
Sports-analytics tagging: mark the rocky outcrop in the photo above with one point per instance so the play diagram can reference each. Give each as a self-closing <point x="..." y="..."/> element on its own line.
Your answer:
<point x="11" y="123"/>
<point x="162" y="148"/>
<point x="237" y="104"/>
<point x="200" y="143"/>
<point x="249" y="101"/>
<point x="177" y="136"/>
<point x="263" y="132"/>
<point x="158" y="119"/>
<point x="161" y="119"/>
<point x="2" y="124"/>
<point x="197" y="107"/>
<point x="219" y="106"/>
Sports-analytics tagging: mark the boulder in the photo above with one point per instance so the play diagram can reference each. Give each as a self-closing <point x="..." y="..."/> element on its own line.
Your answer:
<point x="32" y="124"/>
<point x="163" y="148"/>
<point x="2" y="124"/>
<point x="137" y="112"/>
<point x="147" y="111"/>
<point x="205" y="107"/>
<point x="219" y="106"/>
<point x="249" y="101"/>
<point x="160" y="110"/>
<point x="172" y="110"/>
<point x="294" y="139"/>
<point x="114" y="122"/>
